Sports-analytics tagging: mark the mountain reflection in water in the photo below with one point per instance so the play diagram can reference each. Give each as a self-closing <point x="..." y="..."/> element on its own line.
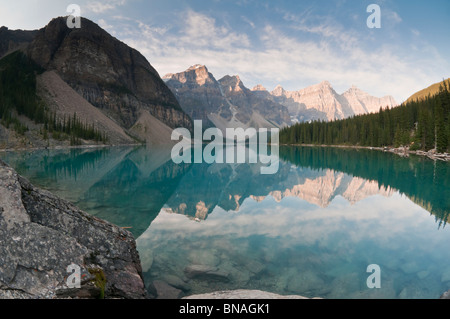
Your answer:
<point x="310" y="229"/>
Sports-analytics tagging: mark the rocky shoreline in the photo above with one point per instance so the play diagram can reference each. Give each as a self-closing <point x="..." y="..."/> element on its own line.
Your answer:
<point x="401" y="151"/>
<point x="42" y="235"/>
<point x="405" y="152"/>
<point x="67" y="147"/>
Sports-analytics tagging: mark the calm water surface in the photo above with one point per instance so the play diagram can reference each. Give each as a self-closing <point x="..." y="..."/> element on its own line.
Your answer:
<point x="311" y="229"/>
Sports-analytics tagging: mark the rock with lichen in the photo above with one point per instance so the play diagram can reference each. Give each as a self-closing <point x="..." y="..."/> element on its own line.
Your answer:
<point x="41" y="235"/>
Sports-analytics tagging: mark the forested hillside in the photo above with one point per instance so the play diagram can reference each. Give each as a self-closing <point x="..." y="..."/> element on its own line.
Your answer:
<point x="18" y="97"/>
<point x="421" y="125"/>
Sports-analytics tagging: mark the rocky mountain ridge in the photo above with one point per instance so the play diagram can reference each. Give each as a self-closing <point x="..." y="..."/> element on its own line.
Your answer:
<point x="106" y="72"/>
<point x="225" y="102"/>
<point x="228" y="103"/>
<point x="11" y="40"/>
<point x="322" y="102"/>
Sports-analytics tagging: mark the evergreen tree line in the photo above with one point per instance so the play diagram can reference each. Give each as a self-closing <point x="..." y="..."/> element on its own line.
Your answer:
<point x="18" y="97"/>
<point x="421" y="125"/>
<point x="72" y="127"/>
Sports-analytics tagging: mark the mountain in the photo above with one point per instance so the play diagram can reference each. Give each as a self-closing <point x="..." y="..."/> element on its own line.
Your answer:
<point x="420" y="124"/>
<point x="431" y="90"/>
<point x="106" y="72"/>
<point x="322" y="102"/>
<point x="11" y="40"/>
<point x="363" y="103"/>
<point x="112" y="87"/>
<point x="251" y="106"/>
<point x="64" y="101"/>
<point x="199" y="94"/>
<point x="224" y="103"/>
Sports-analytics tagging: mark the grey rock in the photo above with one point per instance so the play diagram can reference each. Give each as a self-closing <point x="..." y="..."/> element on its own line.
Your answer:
<point x="243" y="294"/>
<point x="166" y="291"/>
<point x="87" y="291"/>
<point x="42" y="235"/>
<point x="423" y="274"/>
<point x="202" y="272"/>
<point x="11" y="40"/>
<point x="445" y="275"/>
<point x="446" y="295"/>
<point x="177" y="282"/>
<point x="411" y="292"/>
<point x="304" y="281"/>
<point x="216" y="102"/>
<point x="410" y="267"/>
<point x="204" y="257"/>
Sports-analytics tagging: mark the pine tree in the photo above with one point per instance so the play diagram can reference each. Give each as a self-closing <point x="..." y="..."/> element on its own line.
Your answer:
<point x="441" y="131"/>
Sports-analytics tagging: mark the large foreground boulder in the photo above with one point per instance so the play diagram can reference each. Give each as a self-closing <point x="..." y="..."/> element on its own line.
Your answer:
<point x="41" y="235"/>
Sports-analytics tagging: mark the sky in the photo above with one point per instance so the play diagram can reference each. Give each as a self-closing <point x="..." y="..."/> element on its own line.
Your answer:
<point x="292" y="43"/>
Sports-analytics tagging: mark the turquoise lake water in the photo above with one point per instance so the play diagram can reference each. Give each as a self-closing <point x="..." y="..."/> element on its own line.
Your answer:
<point x="312" y="229"/>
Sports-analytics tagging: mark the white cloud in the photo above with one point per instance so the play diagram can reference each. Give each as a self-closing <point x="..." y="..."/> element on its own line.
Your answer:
<point x="203" y="31"/>
<point x="303" y="50"/>
<point x="392" y="16"/>
<point x="102" y="6"/>
<point x="247" y="20"/>
<point x="415" y="32"/>
<point x="306" y="223"/>
<point x="291" y="61"/>
<point x="337" y="55"/>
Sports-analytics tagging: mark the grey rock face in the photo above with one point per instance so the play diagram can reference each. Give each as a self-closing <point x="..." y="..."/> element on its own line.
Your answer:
<point x="42" y="235"/>
<point x="106" y="72"/>
<point x="225" y="102"/>
<point x="249" y="102"/>
<point x="199" y="94"/>
<point x="11" y="40"/>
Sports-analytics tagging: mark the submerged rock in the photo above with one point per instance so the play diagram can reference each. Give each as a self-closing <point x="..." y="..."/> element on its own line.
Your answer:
<point x="445" y="277"/>
<point x="166" y="291"/>
<point x="446" y="295"/>
<point x="177" y="282"/>
<point x="202" y="272"/>
<point x="42" y="235"/>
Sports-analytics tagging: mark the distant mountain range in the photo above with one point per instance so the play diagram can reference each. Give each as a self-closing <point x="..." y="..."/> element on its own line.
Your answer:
<point x="321" y="102"/>
<point x="228" y="103"/>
